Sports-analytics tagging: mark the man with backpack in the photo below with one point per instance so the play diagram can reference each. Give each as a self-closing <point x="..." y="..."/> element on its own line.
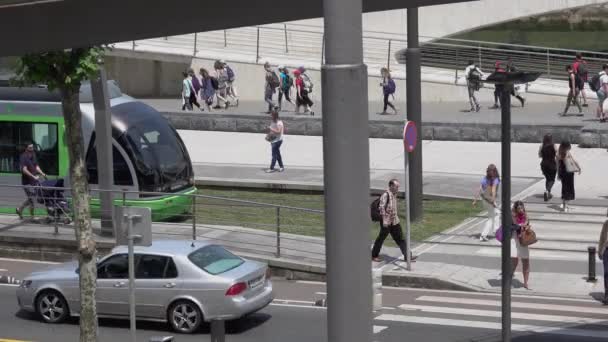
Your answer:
<point x="582" y="74"/>
<point x="285" y="89"/>
<point x="231" y="78"/>
<point x="272" y="82"/>
<point x="599" y="84"/>
<point x="473" y="75"/>
<point x="388" y="89"/>
<point x="384" y="210"/>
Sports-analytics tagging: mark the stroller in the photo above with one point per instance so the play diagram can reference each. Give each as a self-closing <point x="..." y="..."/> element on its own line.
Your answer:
<point x="57" y="206"/>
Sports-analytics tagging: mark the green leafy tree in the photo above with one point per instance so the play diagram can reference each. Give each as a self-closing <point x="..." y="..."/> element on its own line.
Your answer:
<point x="64" y="71"/>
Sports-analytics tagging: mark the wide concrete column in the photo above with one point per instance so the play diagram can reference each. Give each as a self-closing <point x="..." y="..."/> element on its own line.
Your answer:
<point x="103" y="141"/>
<point x="346" y="172"/>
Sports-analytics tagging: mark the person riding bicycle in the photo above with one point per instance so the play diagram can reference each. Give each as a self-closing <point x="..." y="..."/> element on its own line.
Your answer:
<point x="30" y="176"/>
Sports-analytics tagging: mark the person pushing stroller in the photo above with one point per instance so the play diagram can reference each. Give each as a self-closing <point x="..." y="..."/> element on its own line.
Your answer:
<point x="30" y="177"/>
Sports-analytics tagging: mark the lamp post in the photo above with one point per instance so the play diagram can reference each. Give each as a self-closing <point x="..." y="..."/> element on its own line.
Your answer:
<point x="505" y="82"/>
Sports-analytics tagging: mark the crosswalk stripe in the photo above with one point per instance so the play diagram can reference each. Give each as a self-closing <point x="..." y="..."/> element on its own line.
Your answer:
<point x="493" y="326"/>
<point x="537" y="306"/>
<point x="538" y="254"/>
<point x="489" y="313"/>
<point x="379" y="328"/>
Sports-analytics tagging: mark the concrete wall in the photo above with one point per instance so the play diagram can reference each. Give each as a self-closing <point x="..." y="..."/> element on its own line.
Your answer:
<point x="148" y="74"/>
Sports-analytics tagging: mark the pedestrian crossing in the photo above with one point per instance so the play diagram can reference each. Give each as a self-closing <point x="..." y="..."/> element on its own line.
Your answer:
<point x="572" y="319"/>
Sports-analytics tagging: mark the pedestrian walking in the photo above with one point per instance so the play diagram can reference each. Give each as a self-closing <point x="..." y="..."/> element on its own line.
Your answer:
<point x="473" y="75"/>
<point x="222" y="83"/>
<point x="566" y="167"/>
<point x="515" y="89"/>
<point x="275" y="134"/>
<point x="388" y="89"/>
<point x="272" y="82"/>
<point x="196" y="86"/>
<point x="30" y="176"/>
<point x="285" y="88"/>
<point x="207" y="89"/>
<point x="186" y="92"/>
<point x="579" y="66"/>
<point x="573" y="92"/>
<point x="599" y="84"/>
<point x="548" y="164"/>
<point x="603" y="255"/>
<point x="230" y="83"/>
<point x="488" y="190"/>
<point x="390" y="224"/>
<point x="302" y="98"/>
<point x="505" y="66"/>
<point x="519" y="251"/>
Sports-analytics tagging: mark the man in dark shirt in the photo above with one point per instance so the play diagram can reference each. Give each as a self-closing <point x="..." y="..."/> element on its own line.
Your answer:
<point x="30" y="174"/>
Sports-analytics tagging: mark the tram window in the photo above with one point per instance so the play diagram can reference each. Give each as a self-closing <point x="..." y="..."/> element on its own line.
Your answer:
<point x="13" y="139"/>
<point x="122" y="175"/>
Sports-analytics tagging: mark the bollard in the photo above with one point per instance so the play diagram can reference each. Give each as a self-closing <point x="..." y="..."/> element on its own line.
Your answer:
<point x="377" y="288"/>
<point x="591" y="278"/>
<point x="218" y="331"/>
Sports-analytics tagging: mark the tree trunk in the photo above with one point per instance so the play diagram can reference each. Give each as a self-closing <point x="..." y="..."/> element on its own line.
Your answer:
<point x="82" y="215"/>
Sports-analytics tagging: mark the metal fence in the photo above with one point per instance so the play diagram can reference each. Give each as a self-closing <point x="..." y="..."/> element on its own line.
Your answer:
<point x="305" y="44"/>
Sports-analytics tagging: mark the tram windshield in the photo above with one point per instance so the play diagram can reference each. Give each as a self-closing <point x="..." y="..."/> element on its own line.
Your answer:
<point x="160" y="158"/>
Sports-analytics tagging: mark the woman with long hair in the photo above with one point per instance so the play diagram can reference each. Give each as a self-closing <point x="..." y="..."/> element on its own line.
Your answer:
<point x="207" y="91"/>
<point x="488" y="190"/>
<point x="275" y="137"/>
<point x="548" y="164"/>
<point x="518" y="251"/>
<point x="567" y="166"/>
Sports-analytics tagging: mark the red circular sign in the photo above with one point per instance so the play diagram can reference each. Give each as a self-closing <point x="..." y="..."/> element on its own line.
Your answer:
<point x="410" y="136"/>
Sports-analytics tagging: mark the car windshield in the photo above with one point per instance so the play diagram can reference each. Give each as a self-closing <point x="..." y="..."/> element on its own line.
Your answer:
<point x="215" y="259"/>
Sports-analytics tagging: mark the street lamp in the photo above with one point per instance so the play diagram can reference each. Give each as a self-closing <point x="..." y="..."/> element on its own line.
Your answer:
<point x="505" y="82"/>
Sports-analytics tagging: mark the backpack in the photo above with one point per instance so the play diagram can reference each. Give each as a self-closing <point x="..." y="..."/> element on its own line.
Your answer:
<point x="307" y="83"/>
<point x="274" y="81"/>
<point x="594" y="83"/>
<point x="391" y="87"/>
<point x="215" y="84"/>
<point x="582" y="69"/>
<point x="374" y="208"/>
<point x="288" y="82"/>
<point x="230" y="73"/>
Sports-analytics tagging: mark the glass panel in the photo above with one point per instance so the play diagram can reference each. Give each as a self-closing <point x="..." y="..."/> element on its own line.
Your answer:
<point x="116" y="267"/>
<point x="171" y="270"/>
<point x="14" y="136"/>
<point x="214" y="259"/>
<point x="151" y="267"/>
<point x="122" y="174"/>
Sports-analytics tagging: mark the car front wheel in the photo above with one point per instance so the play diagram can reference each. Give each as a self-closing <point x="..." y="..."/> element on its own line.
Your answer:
<point x="52" y="307"/>
<point x="185" y="317"/>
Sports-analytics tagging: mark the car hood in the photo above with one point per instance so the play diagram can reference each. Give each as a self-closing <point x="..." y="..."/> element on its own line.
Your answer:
<point x="63" y="270"/>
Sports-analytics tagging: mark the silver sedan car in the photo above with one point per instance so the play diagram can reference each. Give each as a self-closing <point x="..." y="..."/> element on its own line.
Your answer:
<point x="180" y="282"/>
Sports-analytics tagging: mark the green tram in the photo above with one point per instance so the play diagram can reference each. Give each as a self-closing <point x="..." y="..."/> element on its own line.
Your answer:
<point x="148" y="154"/>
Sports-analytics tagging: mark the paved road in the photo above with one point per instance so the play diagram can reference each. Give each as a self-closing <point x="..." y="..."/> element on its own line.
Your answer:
<point x="408" y="314"/>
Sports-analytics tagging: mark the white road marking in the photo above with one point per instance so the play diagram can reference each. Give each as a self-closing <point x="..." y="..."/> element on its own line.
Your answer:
<point x="9" y="285"/>
<point x="299" y="306"/>
<point x="321" y="293"/>
<point x="3" y="270"/>
<point x="287" y="301"/>
<point x="490" y="313"/>
<point x="520" y="305"/>
<point x="495" y="326"/>
<point x="379" y="328"/>
<point x="30" y="261"/>
<point x="310" y="282"/>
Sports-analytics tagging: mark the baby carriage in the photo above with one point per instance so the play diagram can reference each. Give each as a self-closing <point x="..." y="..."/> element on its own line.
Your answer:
<point x="50" y="194"/>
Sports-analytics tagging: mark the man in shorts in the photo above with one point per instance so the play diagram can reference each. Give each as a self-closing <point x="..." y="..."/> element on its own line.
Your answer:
<point x="30" y="175"/>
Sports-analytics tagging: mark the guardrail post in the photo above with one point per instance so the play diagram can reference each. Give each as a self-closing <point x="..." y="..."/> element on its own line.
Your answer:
<point x="124" y="197"/>
<point x="193" y="217"/>
<point x="591" y="278"/>
<point x="285" y="29"/>
<point x="388" y="59"/>
<point x="323" y="48"/>
<point x="133" y="45"/>
<point x="225" y="39"/>
<point x="195" y="39"/>
<point x="278" y="254"/>
<point x="257" y="47"/>
<point x="456" y="76"/>
<point x="548" y="64"/>
<point x="479" y="55"/>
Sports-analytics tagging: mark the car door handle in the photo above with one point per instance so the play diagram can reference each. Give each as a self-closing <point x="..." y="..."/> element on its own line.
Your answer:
<point x="119" y="284"/>
<point x="170" y="285"/>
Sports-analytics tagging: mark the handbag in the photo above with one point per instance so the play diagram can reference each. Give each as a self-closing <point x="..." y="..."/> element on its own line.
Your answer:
<point x="270" y="137"/>
<point x="527" y="237"/>
<point x="570" y="164"/>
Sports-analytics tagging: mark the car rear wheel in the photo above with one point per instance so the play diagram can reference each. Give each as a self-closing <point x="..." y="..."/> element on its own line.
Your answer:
<point x="52" y="307"/>
<point x="185" y="317"/>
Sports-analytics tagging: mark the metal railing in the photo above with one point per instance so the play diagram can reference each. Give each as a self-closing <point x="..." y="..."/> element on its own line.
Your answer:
<point x="243" y="225"/>
<point x="304" y="44"/>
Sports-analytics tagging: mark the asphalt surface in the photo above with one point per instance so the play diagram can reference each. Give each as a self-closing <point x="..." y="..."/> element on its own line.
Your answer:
<point x="407" y="315"/>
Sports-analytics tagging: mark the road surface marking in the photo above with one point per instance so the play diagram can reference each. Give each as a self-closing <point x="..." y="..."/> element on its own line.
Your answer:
<point x="520" y="305"/>
<point x="9" y="285"/>
<point x="10" y="340"/>
<point x="310" y="282"/>
<point x="377" y="328"/>
<point x="494" y="326"/>
<point x="29" y="261"/>
<point x="287" y="301"/>
<point x="3" y="270"/>
<point x="489" y="313"/>
<point x="539" y="254"/>
<point x="298" y="306"/>
<point x="490" y="294"/>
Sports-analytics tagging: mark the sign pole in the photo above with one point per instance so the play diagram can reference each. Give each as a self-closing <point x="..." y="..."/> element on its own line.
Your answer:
<point x="406" y="191"/>
<point x="130" y="237"/>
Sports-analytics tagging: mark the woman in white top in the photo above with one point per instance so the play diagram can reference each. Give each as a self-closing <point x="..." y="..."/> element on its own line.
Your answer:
<point x="275" y="137"/>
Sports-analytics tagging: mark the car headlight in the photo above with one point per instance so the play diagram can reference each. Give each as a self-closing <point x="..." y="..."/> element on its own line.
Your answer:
<point x="26" y="284"/>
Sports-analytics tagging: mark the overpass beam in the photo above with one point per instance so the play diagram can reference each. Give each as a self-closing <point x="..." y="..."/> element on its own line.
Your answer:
<point x="414" y="111"/>
<point x="346" y="174"/>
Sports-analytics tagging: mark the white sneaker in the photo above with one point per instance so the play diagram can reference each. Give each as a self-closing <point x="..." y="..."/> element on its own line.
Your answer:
<point x="271" y="170"/>
<point x="483" y="239"/>
<point x="281" y="169"/>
